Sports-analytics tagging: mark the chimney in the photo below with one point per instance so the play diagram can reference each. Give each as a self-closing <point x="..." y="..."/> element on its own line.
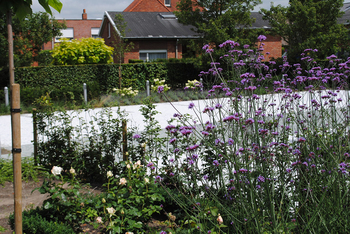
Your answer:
<point x="84" y="15"/>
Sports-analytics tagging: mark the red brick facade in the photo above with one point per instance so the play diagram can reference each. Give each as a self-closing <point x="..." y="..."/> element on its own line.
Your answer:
<point x="273" y="45"/>
<point x="81" y="28"/>
<point x="152" y="6"/>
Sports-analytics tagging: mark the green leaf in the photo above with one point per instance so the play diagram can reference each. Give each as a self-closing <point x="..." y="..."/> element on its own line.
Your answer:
<point x="47" y="205"/>
<point x="64" y="198"/>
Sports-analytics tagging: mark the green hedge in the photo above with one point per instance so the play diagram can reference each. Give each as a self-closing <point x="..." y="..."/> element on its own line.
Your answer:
<point x="106" y="76"/>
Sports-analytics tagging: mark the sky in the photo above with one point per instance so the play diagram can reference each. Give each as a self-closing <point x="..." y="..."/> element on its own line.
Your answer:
<point x="72" y="9"/>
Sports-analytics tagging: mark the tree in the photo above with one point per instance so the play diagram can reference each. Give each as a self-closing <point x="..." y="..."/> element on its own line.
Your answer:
<point x="82" y="51"/>
<point x="20" y="8"/>
<point x="120" y="44"/>
<point x="30" y="35"/>
<point x="308" y="24"/>
<point x="219" y="20"/>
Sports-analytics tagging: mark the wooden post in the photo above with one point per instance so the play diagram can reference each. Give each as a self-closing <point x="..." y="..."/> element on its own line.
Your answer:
<point x="125" y="140"/>
<point x="16" y="131"/>
<point x="10" y="41"/>
<point x="120" y="76"/>
<point x="16" y="154"/>
<point x="35" y="136"/>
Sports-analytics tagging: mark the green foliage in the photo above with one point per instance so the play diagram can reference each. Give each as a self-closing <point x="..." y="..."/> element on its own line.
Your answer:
<point x="89" y="150"/>
<point x="119" y="43"/>
<point x="82" y="51"/>
<point x="44" y="58"/>
<point x="131" y="199"/>
<point x="23" y="7"/>
<point x="135" y="61"/>
<point x="34" y="222"/>
<point x="64" y="82"/>
<point x="65" y="199"/>
<point x="29" y="37"/>
<point x="308" y="25"/>
<point x="221" y="21"/>
<point x="29" y="170"/>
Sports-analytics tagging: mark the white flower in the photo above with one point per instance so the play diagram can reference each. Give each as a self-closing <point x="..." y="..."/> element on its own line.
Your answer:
<point x="137" y="165"/>
<point x="129" y="233"/>
<point x="56" y="170"/>
<point x="122" y="181"/>
<point x="128" y="166"/>
<point x="72" y="171"/>
<point x="109" y="174"/>
<point x="146" y="180"/>
<point x="111" y="211"/>
<point x="99" y="219"/>
<point x="219" y="219"/>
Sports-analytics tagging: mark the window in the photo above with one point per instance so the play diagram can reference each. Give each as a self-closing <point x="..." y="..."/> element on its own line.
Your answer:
<point x="66" y="33"/>
<point x="167" y="2"/>
<point x="149" y="55"/>
<point x="109" y="29"/>
<point x="94" y="32"/>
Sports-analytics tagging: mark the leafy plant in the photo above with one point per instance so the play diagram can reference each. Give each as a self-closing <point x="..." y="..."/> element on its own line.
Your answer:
<point x="29" y="170"/>
<point x="82" y="51"/>
<point x="126" y="92"/>
<point x="131" y="199"/>
<point x="33" y="222"/>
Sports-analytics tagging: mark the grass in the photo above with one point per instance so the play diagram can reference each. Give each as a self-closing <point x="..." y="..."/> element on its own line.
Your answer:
<point x="29" y="170"/>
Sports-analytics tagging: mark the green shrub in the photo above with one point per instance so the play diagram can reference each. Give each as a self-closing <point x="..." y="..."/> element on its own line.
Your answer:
<point x="44" y="58"/>
<point x="135" y="61"/>
<point x="82" y="51"/>
<point x="34" y="223"/>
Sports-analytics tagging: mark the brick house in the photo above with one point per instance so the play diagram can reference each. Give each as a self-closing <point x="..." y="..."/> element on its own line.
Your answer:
<point x="155" y="31"/>
<point x="152" y="6"/>
<point x="76" y="29"/>
<point x="153" y="34"/>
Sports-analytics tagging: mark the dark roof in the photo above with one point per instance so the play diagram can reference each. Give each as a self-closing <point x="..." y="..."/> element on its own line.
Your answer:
<point x="153" y="25"/>
<point x="345" y="19"/>
<point x="259" y="22"/>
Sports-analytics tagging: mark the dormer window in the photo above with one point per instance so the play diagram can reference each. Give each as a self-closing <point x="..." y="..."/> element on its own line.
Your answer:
<point x="167" y="2"/>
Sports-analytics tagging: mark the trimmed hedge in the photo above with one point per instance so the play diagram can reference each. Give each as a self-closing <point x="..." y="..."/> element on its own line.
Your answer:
<point x="106" y="76"/>
<point x="66" y="82"/>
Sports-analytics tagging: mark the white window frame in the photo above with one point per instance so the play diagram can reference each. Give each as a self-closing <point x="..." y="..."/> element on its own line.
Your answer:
<point x="167" y="4"/>
<point x="152" y="51"/>
<point x="66" y="33"/>
<point x="95" y="32"/>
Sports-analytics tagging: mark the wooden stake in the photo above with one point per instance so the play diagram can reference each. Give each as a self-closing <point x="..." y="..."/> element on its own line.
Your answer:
<point x="35" y="135"/>
<point x="16" y="154"/>
<point x="125" y="141"/>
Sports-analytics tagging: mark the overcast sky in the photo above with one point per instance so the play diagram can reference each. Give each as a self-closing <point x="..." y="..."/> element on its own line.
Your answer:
<point x="72" y="9"/>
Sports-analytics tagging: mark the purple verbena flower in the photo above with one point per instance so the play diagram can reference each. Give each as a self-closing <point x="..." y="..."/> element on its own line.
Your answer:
<point x="160" y="89"/>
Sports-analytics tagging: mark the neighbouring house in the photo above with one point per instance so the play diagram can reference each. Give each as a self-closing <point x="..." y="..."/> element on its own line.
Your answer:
<point x="273" y="44"/>
<point x="156" y="35"/>
<point x="153" y="6"/>
<point x="76" y="29"/>
<point x="153" y="34"/>
<point x="155" y="31"/>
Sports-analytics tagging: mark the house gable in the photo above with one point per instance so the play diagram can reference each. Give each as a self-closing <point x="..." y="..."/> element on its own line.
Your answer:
<point x="147" y="6"/>
<point x="152" y="6"/>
